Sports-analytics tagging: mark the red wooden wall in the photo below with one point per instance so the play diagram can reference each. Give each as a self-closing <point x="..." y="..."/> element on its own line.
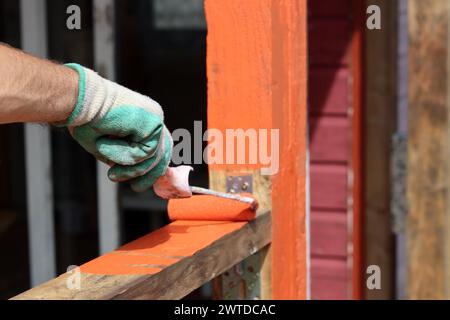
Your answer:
<point x="330" y="28"/>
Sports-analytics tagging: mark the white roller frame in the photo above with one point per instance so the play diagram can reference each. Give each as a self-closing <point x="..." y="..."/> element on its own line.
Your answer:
<point x="41" y="237"/>
<point x="104" y="61"/>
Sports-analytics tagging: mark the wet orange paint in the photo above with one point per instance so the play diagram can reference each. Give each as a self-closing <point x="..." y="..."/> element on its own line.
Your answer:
<point x="257" y="78"/>
<point x="206" y="207"/>
<point x="289" y="101"/>
<point x="239" y="90"/>
<point x="161" y="248"/>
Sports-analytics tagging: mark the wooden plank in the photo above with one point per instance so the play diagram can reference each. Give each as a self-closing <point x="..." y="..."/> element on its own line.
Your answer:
<point x="166" y="264"/>
<point x="330" y="143"/>
<point x="329" y="278"/>
<point x="329" y="235"/>
<point x="380" y="124"/>
<point x="235" y="98"/>
<point x="329" y="42"/>
<point x="329" y="8"/>
<point x="41" y="237"/>
<point x="104" y="61"/>
<point x="328" y="187"/>
<point x="428" y="150"/>
<point x="357" y="66"/>
<point x="329" y="138"/>
<point x="217" y="181"/>
<point x="290" y="208"/>
<point x="328" y="91"/>
<point x="257" y="80"/>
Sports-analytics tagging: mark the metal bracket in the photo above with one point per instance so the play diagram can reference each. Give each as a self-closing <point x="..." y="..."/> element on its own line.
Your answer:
<point x="243" y="280"/>
<point x="238" y="184"/>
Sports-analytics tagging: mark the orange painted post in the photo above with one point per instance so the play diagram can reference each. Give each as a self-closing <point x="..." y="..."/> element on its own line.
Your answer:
<point x="257" y="79"/>
<point x="289" y="104"/>
<point x="357" y="149"/>
<point x="239" y="58"/>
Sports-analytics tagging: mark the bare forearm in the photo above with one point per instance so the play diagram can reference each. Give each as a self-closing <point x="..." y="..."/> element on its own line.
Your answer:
<point x="33" y="89"/>
<point x="118" y="126"/>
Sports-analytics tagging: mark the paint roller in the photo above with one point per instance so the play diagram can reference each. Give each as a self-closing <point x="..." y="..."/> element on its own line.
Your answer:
<point x="195" y="203"/>
<point x="210" y="205"/>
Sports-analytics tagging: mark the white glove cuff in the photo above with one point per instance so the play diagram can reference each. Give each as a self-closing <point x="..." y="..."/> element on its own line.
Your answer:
<point x="97" y="95"/>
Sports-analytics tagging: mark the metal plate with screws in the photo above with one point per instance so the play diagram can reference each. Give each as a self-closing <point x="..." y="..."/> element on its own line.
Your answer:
<point x="239" y="184"/>
<point x="243" y="280"/>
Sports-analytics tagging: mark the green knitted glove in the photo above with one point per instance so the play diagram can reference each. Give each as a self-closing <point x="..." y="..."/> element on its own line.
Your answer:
<point x="121" y="128"/>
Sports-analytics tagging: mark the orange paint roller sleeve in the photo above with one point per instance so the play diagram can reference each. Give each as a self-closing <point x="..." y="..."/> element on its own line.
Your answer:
<point x="212" y="208"/>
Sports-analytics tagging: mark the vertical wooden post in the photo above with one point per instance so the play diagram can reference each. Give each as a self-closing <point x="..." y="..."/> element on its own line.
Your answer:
<point x="380" y="123"/>
<point x="398" y="157"/>
<point x="290" y="213"/>
<point x="428" y="186"/>
<point x="257" y="67"/>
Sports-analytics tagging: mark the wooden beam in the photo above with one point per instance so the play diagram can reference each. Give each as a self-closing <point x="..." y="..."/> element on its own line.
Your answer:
<point x="428" y="182"/>
<point x="166" y="264"/>
<point x="257" y="70"/>
<point x="380" y="79"/>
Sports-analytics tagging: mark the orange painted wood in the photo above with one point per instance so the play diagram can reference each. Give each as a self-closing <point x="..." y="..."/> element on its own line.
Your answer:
<point x="257" y="78"/>
<point x="238" y="67"/>
<point x="166" y="264"/>
<point x="161" y="248"/>
<point x="289" y="71"/>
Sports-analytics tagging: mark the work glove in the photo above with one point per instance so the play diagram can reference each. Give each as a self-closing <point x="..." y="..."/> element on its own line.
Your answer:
<point x="121" y="128"/>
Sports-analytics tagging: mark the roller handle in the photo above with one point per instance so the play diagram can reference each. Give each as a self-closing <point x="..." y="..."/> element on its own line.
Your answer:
<point x="252" y="202"/>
